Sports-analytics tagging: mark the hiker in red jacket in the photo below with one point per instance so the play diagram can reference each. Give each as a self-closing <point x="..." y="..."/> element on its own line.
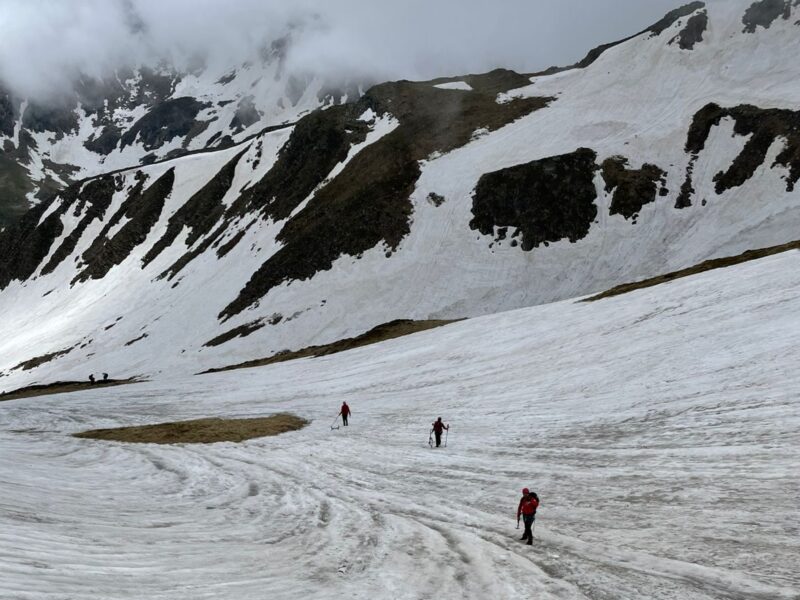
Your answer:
<point x="527" y="508"/>
<point x="345" y="412"/>
<point x="438" y="427"/>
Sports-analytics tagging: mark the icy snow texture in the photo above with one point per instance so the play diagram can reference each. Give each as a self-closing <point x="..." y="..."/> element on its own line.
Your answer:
<point x="660" y="428"/>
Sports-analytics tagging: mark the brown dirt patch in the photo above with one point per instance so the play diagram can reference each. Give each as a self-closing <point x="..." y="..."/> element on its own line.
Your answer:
<point x="381" y="333"/>
<point x="199" y="431"/>
<point x="60" y="387"/>
<point x="709" y="265"/>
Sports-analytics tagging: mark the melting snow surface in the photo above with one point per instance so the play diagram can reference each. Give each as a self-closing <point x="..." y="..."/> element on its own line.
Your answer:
<point x="660" y="429"/>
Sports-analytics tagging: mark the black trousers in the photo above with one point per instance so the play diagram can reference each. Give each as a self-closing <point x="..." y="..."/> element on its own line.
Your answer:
<point x="438" y="435"/>
<point x="344" y="420"/>
<point x="528" y="534"/>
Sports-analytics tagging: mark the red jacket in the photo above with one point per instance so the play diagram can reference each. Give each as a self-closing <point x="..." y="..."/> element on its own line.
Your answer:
<point x="438" y="426"/>
<point x="527" y="506"/>
<point x="345" y="410"/>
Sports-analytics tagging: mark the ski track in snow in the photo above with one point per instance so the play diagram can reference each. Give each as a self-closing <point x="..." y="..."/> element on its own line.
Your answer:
<point x="660" y="429"/>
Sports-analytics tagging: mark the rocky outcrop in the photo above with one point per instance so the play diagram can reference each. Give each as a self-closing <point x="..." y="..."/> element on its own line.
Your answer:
<point x="693" y="31"/>
<point x="544" y="201"/>
<point x="168" y="120"/>
<point x="96" y="197"/>
<point x="142" y="210"/>
<point x="763" y="128"/>
<point x="765" y="12"/>
<point x="632" y="188"/>
<point x="368" y="203"/>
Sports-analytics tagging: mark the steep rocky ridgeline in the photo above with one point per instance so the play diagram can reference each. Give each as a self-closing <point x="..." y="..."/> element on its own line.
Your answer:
<point x="368" y="203"/>
<point x="92" y="201"/>
<point x="26" y="243"/>
<point x="142" y="210"/>
<point x="201" y="213"/>
<point x="543" y="201"/>
<point x="763" y="127"/>
<point x="654" y="30"/>
<point x="632" y="188"/>
<point x="170" y="119"/>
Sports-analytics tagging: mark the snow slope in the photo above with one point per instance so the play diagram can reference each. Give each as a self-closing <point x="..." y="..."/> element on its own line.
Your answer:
<point x="641" y="106"/>
<point x="660" y="429"/>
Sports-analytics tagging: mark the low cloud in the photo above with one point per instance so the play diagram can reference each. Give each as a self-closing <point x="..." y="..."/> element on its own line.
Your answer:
<point x="48" y="44"/>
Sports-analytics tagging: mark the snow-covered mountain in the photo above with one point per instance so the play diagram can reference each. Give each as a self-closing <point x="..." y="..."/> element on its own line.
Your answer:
<point x="445" y="199"/>
<point x="144" y="115"/>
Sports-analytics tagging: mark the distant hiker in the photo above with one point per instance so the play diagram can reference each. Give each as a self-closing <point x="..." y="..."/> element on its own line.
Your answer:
<point x="527" y="509"/>
<point x="345" y="412"/>
<point x="438" y="427"/>
<point x="105" y="377"/>
<point x="91" y="379"/>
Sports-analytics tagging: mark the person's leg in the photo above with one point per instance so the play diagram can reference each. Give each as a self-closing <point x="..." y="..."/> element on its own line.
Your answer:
<point x="528" y="532"/>
<point x="344" y="420"/>
<point x="438" y="438"/>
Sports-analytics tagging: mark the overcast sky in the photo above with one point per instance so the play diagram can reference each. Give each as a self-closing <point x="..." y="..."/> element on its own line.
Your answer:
<point x="44" y="44"/>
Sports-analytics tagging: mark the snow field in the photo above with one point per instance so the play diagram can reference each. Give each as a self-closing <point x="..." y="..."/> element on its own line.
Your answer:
<point x="660" y="429"/>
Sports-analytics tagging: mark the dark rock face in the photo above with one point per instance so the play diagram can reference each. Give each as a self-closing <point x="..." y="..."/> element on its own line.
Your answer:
<point x="142" y="209"/>
<point x="8" y="114"/>
<point x="59" y="119"/>
<point x="633" y="188"/>
<point x="241" y="331"/>
<point x="106" y="142"/>
<point x="693" y="32"/>
<point x="368" y="203"/>
<point x="166" y="121"/>
<point x="673" y="16"/>
<point x="764" y="126"/>
<point x="546" y="200"/>
<point x="25" y="244"/>
<point x="246" y="115"/>
<point x="201" y="213"/>
<point x="764" y="12"/>
<point x="98" y="194"/>
<point x="318" y="143"/>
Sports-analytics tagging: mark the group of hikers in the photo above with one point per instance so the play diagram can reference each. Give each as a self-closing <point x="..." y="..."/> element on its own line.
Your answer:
<point x="526" y="510"/>
<point x="92" y="380"/>
<point x="437" y="427"/>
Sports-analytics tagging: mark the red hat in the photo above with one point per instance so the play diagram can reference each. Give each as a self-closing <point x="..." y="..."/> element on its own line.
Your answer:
<point x="525" y="491"/>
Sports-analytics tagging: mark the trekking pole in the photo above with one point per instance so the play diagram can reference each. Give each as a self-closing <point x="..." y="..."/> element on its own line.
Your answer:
<point x="447" y="431"/>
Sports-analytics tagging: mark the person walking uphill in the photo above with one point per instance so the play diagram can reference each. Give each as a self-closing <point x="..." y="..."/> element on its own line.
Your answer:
<point x="345" y="412"/>
<point x="438" y="427"/>
<point x="527" y="508"/>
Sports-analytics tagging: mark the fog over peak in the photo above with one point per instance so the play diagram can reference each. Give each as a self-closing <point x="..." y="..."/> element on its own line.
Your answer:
<point x="48" y="44"/>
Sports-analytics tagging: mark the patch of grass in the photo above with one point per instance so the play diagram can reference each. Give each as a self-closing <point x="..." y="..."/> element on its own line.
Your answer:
<point x="709" y="265"/>
<point x="61" y="387"/>
<point x="381" y="333"/>
<point x="199" y="431"/>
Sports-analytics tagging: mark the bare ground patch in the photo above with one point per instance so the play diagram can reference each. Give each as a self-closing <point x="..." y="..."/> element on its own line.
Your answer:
<point x="381" y="333"/>
<point x="199" y="431"/>
<point x="61" y="387"/>
<point x="709" y="265"/>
